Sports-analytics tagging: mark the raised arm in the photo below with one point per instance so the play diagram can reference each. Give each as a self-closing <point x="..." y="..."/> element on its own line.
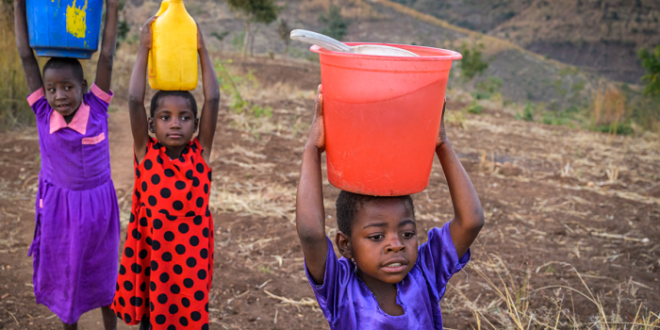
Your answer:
<point x="30" y="64"/>
<point x="209" y="116"/>
<point x="468" y="215"/>
<point x="310" y="214"/>
<point x="139" y="124"/>
<point x="108" y="45"/>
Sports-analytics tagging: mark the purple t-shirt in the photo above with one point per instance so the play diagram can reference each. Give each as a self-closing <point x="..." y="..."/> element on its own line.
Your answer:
<point x="347" y="303"/>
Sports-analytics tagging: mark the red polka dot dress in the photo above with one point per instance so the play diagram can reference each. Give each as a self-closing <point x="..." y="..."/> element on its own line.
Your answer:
<point x="167" y="264"/>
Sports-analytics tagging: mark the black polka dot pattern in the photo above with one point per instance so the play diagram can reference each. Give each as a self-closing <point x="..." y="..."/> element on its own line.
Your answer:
<point x="166" y="268"/>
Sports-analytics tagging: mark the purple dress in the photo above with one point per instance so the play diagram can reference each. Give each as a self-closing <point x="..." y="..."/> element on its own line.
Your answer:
<point x="76" y="239"/>
<point x="347" y="303"/>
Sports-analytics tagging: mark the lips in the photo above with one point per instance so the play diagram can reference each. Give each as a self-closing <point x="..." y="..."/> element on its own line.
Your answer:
<point x="395" y="266"/>
<point x="175" y="135"/>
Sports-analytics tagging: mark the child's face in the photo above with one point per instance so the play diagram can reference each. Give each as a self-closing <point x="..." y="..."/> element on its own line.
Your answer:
<point x="64" y="91"/>
<point x="383" y="240"/>
<point x="173" y="122"/>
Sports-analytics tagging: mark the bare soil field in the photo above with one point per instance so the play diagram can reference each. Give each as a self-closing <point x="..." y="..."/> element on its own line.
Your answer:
<point x="572" y="230"/>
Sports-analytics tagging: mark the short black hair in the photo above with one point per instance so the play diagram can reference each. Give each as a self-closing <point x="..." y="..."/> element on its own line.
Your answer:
<point x="348" y="204"/>
<point x="65" y="63"/>
<point x="184" y="94"/>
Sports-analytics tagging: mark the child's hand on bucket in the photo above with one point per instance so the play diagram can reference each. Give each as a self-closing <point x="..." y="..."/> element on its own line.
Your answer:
<point x="317" y="133"/>
<point x="146" y="34"/>
<point x="442" y="134"/>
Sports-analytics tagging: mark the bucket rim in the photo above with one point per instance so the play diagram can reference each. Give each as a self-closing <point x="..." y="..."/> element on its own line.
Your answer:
<point x="451" y="56"/>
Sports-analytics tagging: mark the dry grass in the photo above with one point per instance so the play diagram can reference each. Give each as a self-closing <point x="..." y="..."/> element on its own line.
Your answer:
<point x="509" y="306"/>
<point x="260" y="199"/>
<point x="14" y="110"/>
<point x="608" y="106"/>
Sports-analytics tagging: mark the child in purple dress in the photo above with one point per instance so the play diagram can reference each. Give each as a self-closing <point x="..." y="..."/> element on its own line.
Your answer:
<point x="384" y="279"/>
<point x="76" y="239"/>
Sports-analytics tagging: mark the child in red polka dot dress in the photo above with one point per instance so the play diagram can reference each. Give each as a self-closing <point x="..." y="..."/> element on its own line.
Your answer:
<point x="167" y="264"/>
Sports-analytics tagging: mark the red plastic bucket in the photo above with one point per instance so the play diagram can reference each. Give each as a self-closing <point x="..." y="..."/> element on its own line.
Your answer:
<point x="382" y="116"/>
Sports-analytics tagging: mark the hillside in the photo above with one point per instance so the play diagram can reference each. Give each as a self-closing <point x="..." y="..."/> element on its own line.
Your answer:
<point x="527" y="76"/>
<point x="601" y="36"/>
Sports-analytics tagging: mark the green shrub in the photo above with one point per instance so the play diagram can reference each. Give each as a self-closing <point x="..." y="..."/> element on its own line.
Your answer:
<point x="621" y="129"/>
<point x="472" y="64"/>
<point x="528" y="113"/>
<point x="487" y="88"/>
<point x="336" y="26"/>
<point x="651" y="62"/>
<point x="475" y="109"/>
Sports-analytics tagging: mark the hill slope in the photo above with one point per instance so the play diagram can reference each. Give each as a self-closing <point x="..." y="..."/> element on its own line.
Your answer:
<point x="526" y="75"/>
<point x="602" y="36"/>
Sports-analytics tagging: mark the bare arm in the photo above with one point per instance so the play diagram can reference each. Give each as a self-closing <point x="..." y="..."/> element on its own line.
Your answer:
<point x="310" y="214"/>
<point x="209" y="117"/>
<point x="108" y="45"/>
<point x="30" y="64"/>
<point x="139" y="123"/>
<point x="468" y="215"/>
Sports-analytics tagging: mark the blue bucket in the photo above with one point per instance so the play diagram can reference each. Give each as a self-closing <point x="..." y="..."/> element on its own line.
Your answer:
<point x="64" y="28"/>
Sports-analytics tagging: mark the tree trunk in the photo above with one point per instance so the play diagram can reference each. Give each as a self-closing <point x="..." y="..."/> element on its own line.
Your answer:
<point x="252" y="37"/>
<point x="246" y="39"/>
<point x="286" y="51"/>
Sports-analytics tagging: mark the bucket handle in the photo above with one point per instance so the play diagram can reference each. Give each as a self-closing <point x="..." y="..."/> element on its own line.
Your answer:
<point x="321" y="40"/>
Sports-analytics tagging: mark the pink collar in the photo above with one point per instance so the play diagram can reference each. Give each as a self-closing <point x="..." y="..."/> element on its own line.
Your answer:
<point x="78" y="123"/>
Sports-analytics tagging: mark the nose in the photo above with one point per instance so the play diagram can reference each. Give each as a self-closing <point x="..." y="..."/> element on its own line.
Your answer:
<point x="60" y="94"/>
<point x="175" y="123"/>
<point x="395" y="246"/>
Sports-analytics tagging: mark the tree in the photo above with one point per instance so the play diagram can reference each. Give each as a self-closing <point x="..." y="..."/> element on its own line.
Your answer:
<point x="336" y="26"/>
<point x="472" y="65"/>
<point x="284" y="31"/>
<point x="651" y="62"/>
<point x="254" y="11"/>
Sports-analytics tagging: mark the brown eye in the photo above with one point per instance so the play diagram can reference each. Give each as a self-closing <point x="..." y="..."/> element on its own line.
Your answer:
<point x="376" y="237"/>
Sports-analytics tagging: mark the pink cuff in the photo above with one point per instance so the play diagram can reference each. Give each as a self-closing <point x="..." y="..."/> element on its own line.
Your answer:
<point x="98" y="92"/>
<point x="35" y="96"/>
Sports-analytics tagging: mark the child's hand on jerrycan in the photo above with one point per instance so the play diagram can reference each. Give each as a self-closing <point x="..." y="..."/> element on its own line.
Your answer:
<point x="317" y="133"/>
<point x="146" y="34"/>
<point x="442" y="134"/>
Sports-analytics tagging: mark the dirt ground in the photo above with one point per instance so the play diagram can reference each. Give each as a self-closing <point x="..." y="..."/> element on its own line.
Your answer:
<point x="564" y="208"/>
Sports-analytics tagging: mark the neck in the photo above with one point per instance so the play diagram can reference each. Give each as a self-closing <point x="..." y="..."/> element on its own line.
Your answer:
<point x="175" y="152"/>
<point x="385" y="294"/>
<point x="69" y="118"/>
<point x="377" y="287"/>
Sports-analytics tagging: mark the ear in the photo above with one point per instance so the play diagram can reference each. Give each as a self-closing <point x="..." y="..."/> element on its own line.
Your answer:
<point x="344" y="245"/>
<point x="84" y="86"/>
<point x="196" y="124"/>
<point x="150" y="123"/>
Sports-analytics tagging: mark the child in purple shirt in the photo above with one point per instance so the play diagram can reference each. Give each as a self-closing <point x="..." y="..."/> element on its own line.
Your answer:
<point x="76" y="237"/>
<point x="384" y="279"/>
